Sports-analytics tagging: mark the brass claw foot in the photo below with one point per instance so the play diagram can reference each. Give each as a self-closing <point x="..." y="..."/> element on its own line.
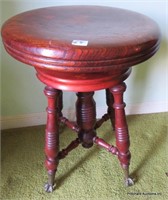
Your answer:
<point x="129" y="182"/>
<point x="49" y="188"/>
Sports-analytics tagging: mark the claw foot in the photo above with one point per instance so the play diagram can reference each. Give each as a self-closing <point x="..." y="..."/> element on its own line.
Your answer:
<point x="49" y="188"/>
<point x="129" y="182"/>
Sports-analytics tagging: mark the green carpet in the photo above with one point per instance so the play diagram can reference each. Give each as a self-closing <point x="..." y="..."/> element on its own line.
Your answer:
<point x="87" y="174"/>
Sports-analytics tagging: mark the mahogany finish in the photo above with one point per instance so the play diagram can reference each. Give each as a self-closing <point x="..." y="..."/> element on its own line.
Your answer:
<point x="82" y="49"/>
<point x="110" y="110"/>
<point x="86" y="118"/>
<point x="121" y="130"/>
<point x="117" y="39"/>
<point x="52" y="135"/>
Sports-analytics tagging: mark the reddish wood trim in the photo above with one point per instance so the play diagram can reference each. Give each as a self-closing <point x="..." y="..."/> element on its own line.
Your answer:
<point x="52" y="135"/>
<point x="110" y="110"/>
<point x="86" y="118"/>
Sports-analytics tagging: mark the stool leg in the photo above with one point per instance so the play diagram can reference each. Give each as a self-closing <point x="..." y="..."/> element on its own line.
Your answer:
<point x="60" y="103"/>
<point x="121" y="131"/>
<point x="51" y="136"/>
<point x="86" y="118"/>
<point x="110" y="110"/>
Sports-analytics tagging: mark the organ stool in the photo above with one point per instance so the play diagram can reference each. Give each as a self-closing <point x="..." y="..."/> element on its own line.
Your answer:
<point x="82" y="49"/>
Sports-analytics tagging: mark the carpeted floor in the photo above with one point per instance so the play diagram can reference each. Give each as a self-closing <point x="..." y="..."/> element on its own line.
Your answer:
<point x="87" y="174"/>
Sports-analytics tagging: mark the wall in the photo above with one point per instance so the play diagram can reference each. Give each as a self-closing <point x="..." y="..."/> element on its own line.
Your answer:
<point x="22" y="99"/>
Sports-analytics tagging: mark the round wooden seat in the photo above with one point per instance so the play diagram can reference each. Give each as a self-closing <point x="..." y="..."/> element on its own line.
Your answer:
<point x="94" y="44"/>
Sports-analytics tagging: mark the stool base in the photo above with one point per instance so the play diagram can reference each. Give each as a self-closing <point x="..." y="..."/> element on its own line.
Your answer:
<point x="85" y="127"/>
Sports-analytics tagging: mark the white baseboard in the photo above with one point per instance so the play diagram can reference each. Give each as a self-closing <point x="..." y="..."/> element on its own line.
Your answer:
<point x="142" y="108"/>
<point x="35" y="119"/>
<point x="23" y="120"/>
<point x="147" y="107"/>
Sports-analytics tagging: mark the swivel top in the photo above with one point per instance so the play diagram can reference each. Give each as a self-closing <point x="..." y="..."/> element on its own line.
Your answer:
<point x="93" y="40"/>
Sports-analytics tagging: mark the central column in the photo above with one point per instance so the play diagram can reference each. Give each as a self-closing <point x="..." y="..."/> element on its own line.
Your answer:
<point x="86" y="117"/>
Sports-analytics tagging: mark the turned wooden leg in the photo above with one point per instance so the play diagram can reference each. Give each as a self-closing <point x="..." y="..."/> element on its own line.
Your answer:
<point x="51" y="136"/>
<point x="110" y="110"/>
<point x="121" y="131"/>
<point x="60" y="103"/>
<point x="86" y="117"/>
